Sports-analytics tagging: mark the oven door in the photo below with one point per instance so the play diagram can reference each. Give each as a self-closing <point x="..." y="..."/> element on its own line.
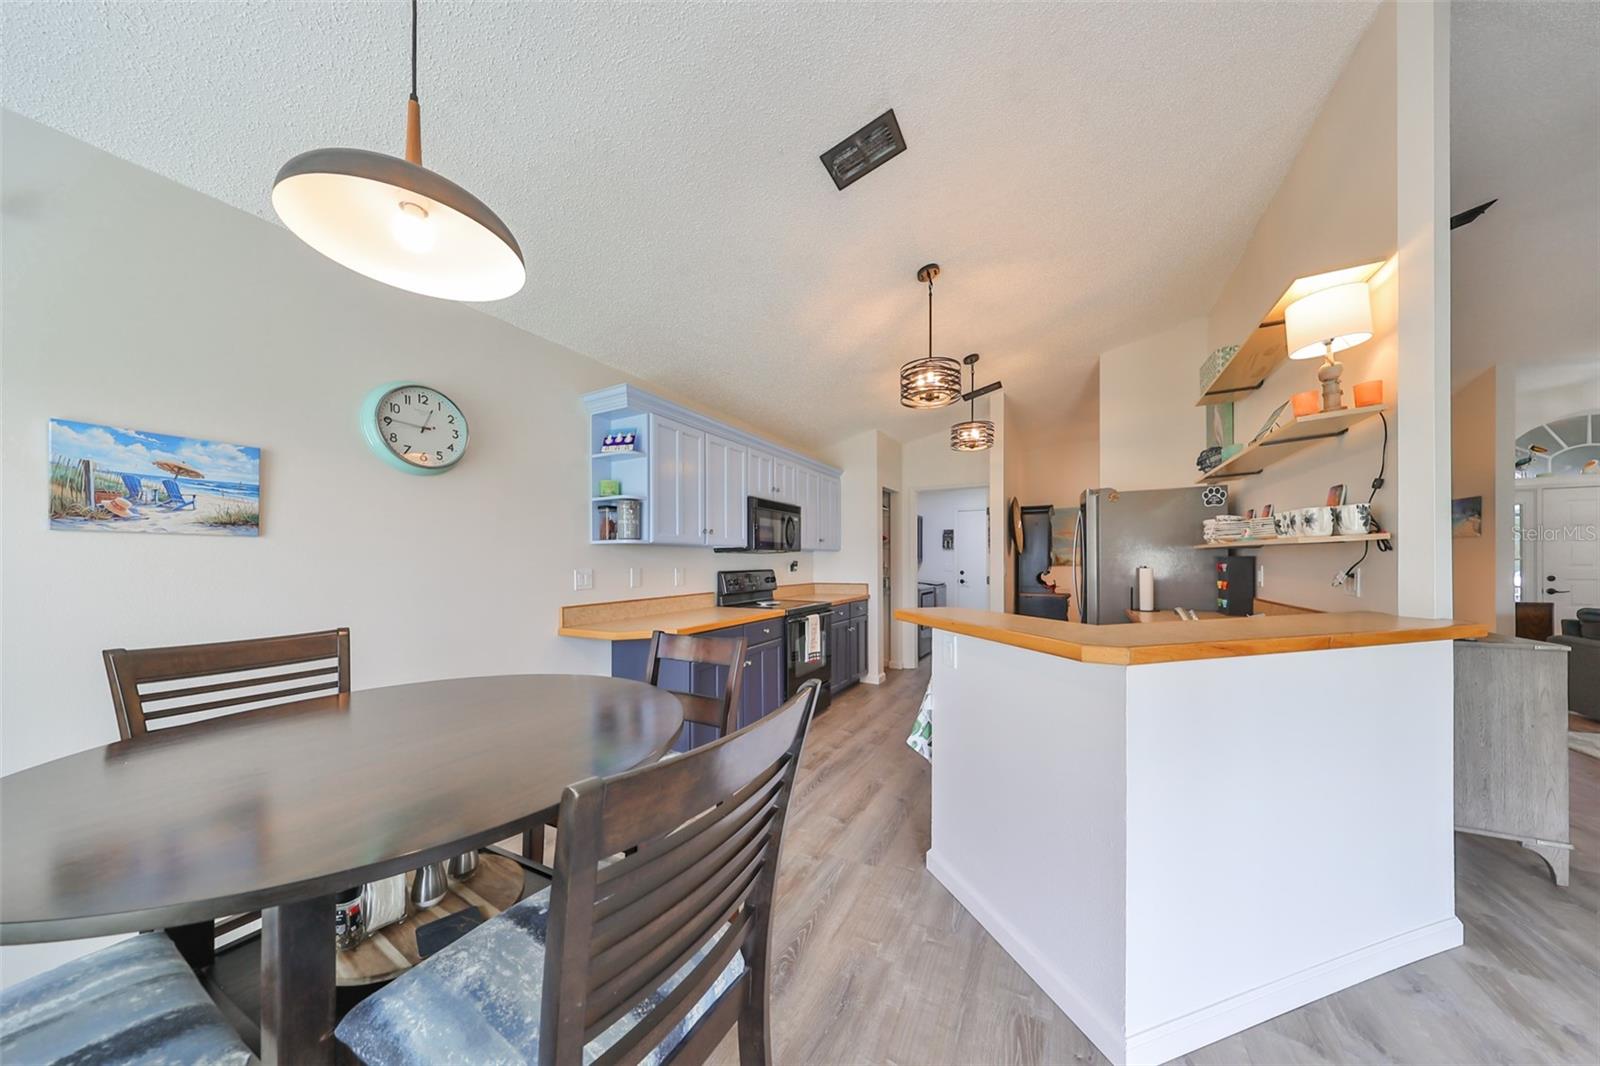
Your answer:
<point x="800" y="667"/>
<point x="774" y="527"/>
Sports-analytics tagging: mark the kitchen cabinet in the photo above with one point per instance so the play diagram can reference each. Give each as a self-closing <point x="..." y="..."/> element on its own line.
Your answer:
<point x="761" y="688"/>
<point x="764" y="481"/>
<point x="847" y="644"/>
<point x="693" y="476"/>
<point x="829" y="538"/>
<point x="726" y="473"/>
<point x="677" y="482"/>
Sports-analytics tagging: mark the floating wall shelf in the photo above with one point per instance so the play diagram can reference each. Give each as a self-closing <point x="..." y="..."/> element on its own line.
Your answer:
<point x="1288" y="439"/>
<point x="1266" y="348"/>
<point x="1283" y="542"/>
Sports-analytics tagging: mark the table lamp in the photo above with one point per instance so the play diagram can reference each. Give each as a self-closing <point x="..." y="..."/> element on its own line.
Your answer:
<point x="1326" y="322"/>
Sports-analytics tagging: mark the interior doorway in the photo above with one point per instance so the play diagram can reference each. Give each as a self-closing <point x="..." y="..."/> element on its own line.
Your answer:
<point x="887" y="577"/>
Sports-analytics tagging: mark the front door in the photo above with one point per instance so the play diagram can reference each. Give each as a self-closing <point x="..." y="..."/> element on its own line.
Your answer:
<point x="1569" y="549"/>
<point x="972" y="560"/>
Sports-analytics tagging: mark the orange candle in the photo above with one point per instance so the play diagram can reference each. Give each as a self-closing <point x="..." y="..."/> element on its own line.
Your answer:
<point x="1369" y="394"/>
<point x="1306" y="403"/>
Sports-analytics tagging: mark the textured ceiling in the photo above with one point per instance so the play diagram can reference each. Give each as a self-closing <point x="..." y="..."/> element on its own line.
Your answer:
<point x="1083" y="172"/>
<point x="1525" y="127"/>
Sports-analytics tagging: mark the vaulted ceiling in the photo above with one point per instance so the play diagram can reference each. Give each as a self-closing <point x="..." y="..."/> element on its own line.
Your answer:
<point x="1084" y="173"/>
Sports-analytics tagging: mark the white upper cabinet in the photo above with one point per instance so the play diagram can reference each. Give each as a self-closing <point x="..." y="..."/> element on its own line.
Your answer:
<point x="693" y="477"/>
<point x="764" y="475"/>
<point x="810" y="508"/>
<point x="726" y="472"/>
<point x="677" y="482"/>
<point x="829" y="538"/>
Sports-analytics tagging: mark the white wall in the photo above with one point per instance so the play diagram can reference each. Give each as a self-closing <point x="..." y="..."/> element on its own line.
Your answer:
<point x="133" y="301"/>
<point x="1150" y="429"/>
<point x="938" y="512"/>
<point x="870" y="463"/>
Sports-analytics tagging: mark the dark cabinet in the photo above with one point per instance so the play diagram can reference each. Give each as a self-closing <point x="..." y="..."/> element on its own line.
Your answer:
<point x="847" y="633"/>
<point x="761" y="689"/>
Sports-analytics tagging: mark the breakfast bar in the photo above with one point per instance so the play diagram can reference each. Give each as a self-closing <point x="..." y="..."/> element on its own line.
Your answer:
<point x="1182" y="829"/>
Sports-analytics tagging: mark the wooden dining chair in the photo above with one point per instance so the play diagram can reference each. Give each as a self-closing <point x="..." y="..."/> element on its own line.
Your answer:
<point x="708" y="663"/>
<point x="653" y="942"/>
<point x="237" y="676"/>
<point x="718" y="711"/>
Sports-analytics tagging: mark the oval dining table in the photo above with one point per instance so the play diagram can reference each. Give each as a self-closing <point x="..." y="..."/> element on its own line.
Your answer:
<point x="279" y="809"/>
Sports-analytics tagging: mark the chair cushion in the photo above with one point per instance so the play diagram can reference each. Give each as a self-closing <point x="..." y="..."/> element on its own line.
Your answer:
<point x="135" y="1001"/>
<point x="479" y="1000"/>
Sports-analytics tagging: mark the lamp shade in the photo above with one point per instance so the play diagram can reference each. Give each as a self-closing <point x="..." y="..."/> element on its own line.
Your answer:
<point x="1328" y="321"/>
<point x="932" y="381"/>
<point x="972" y="436"/>
<point x="398" y="223"/>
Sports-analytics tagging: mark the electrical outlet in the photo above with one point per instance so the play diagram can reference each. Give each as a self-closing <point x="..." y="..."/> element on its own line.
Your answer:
<point x="1353" y="586"/>
<point x="635" y="576"/>
<point x="582" y="580"/>
<point x="677" y="577"/>
<point x="1261" y="576"/>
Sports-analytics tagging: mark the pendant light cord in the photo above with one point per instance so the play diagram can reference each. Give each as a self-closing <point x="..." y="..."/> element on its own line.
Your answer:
<point x="930" y="316"/>
<point x="413" y="49"/>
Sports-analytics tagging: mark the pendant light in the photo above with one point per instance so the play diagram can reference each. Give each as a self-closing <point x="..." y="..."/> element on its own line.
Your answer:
<point x="934" y="381"/>
<point x="975" y="434"/>
<point x="395" y="221"/>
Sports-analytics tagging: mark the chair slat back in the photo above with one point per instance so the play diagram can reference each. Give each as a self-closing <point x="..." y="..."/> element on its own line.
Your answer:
<point x="699" y="837"/>
<point x="231" y="677"/>
<point x="724" y="652"/>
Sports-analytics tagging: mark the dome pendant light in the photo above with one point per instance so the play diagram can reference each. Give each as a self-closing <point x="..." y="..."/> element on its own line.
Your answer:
<point x="975" y="434"/>
<point x="395" y="221"/>
<point x="934" y="381"/>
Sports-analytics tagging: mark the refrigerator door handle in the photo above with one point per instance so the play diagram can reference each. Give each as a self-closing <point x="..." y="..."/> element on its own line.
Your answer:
<point x="1080" y="583"/>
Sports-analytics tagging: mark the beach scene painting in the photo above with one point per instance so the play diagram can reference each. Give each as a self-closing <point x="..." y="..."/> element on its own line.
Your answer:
<point x="131" y="481"/>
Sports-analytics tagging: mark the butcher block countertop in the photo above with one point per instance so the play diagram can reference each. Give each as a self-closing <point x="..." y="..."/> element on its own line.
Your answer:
<point x="695" y="612"/>
<point x="1175" y="641"/>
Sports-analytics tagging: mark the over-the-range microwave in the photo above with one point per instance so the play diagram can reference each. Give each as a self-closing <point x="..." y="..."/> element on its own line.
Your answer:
<point x="770" y="526"/>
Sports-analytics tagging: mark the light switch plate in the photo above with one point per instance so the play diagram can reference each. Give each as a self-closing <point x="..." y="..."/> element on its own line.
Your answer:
<point x="1261" y="576"/>
<point x="582" y="580"/>
<point x="677" y="577"/>
<point x="635" y="576"/>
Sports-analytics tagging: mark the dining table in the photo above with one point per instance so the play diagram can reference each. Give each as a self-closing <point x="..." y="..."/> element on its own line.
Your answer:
<point x="280" y="809"/>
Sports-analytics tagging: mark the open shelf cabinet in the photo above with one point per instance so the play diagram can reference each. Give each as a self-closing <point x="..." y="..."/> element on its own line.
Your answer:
<point x="1284" y="542"/>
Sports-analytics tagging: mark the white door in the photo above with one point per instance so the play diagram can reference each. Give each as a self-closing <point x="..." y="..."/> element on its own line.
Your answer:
<point x="972" y="560"/>
<point x="677" y="483"/>
<point x="726" y="463"/>
<point x="829" y="506"/>
<point x="1568" y="573"/>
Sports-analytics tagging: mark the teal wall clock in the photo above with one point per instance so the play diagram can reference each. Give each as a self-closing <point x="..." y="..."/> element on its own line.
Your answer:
<point x="414" y="427"/>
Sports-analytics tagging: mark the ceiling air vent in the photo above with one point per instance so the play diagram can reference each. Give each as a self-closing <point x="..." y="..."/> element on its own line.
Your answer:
<point x="865" y="150"/>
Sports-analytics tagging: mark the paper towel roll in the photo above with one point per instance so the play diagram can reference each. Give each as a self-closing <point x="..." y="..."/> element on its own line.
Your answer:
<point x="1147" y="589"/>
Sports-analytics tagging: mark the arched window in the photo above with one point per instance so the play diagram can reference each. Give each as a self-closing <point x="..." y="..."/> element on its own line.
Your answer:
<point x="1561" y="447"/>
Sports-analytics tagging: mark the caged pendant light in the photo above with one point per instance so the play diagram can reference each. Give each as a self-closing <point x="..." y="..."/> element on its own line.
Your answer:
<point x="975" y="434"/>
<point x="397" y="222"/>
<point x="933" y="381"/>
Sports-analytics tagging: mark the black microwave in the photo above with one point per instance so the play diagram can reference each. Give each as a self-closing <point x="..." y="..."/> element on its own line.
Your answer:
<point x="770" y="527"/>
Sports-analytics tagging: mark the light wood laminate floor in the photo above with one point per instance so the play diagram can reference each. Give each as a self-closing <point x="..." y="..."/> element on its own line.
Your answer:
<point x="874" y="962"/>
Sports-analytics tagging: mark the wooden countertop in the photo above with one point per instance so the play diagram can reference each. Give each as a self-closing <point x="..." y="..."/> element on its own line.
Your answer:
<point x="686" y="614"/>
<point x="1175" y="641"/>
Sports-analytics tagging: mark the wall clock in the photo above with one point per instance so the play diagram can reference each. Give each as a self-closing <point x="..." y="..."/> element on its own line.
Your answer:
<point x="414" y="427"/>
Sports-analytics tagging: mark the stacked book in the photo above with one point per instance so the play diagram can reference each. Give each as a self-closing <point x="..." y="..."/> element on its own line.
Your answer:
<point x="1224" y="527"/>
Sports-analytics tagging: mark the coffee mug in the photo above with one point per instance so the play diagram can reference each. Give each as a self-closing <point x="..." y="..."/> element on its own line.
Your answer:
<point x="1287" y="523"/>
<point x="1316" y="521"/>
<point x="1353" y="519"/>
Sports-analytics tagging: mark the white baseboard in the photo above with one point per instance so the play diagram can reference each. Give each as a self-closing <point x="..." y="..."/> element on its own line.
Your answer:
<point x="1105" y="1033"/>
<point x="1237" y="1013"/>
<point x="1234" y="1014"/>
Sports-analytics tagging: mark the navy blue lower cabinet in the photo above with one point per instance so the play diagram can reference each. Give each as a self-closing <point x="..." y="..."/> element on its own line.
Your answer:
<point x="761" y="691"/>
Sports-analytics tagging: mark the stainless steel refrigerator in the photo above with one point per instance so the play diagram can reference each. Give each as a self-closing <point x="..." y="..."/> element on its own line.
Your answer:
<point x="1118" y="532"/>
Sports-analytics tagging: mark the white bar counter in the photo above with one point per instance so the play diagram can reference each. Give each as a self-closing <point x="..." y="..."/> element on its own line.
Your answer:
<point x="1181" y="830"/>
